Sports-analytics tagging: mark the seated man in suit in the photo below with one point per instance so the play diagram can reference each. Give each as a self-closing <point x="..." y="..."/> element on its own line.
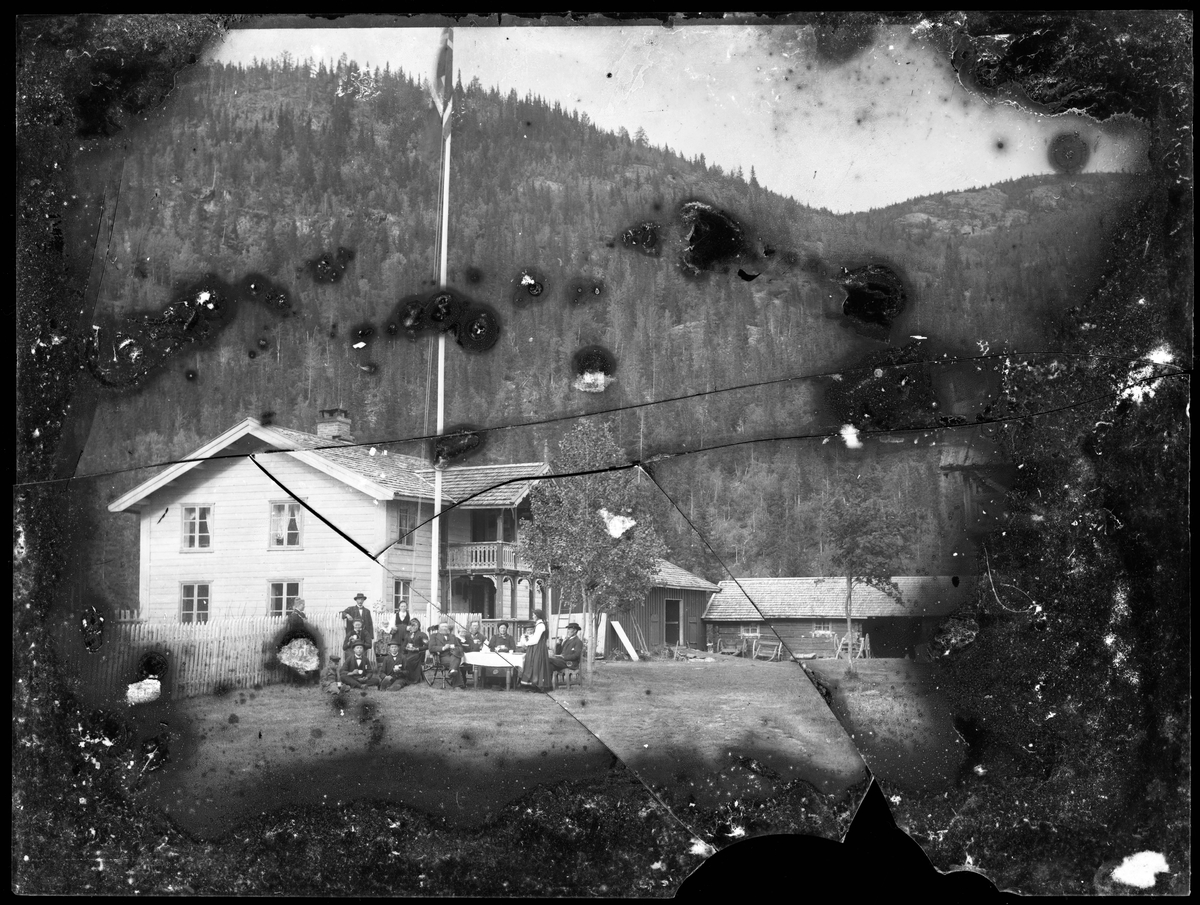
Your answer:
<point x="502" y="641"/>
<point x="572" y="650"/>
<point x="473" y="639"/>
<point x="357" y="671"/>
<point x="391" y="670"/>
<point x="447" y="650"/>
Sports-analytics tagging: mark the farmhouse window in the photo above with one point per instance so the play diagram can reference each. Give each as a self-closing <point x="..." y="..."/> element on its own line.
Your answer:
<point x="407" y="518"/>
<point x="401" y="595"/>
<point x="193" y="602"/>
<point x="197" y="527"/>
<point x="287" y="520"/>
<point x="510" y="527"/>
<point x="822" y="626"/>
<point x="283" y="595"/>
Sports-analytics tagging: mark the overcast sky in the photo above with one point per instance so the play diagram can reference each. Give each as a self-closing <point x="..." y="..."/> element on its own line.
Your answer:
<point x="891" y="124"/>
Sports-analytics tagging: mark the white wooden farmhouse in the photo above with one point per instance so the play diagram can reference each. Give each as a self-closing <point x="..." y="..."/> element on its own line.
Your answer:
<point x="261" y="515"/>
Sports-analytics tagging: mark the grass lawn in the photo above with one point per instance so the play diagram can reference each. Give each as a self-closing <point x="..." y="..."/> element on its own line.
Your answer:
<point x="716" y="730"/>
<point x="703" y="735"/>
<point x="895" y="714"/>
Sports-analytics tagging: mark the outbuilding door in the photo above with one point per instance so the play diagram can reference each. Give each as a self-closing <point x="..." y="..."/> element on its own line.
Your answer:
<point x="671" y="621"/>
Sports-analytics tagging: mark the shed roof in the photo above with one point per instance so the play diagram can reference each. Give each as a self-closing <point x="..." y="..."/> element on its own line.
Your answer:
<point x="825" y="598"/>
<point x="670" y="575"/>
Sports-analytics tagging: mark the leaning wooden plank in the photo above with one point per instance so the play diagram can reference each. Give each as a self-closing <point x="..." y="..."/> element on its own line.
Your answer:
<point x="624" y="639"/>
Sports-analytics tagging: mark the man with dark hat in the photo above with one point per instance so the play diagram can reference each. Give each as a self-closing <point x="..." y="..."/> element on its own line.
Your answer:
<point x="357" y="673"/>
<point x="391" y="671"/>
<point x="572" y="650"/>
<point x="360" y="612"/>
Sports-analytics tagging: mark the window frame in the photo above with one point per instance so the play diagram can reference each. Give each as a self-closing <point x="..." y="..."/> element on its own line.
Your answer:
<point x="407" y="516"/>
<point x="208" y="608"/>
<point x="271" y="582"/>
<point x="183" y="528"/>
<point x="407" y="594"/>
<point x="271" y="504"/>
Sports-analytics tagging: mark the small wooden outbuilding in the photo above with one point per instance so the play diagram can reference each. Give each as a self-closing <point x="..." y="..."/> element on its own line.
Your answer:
<point x="807" y="614"/>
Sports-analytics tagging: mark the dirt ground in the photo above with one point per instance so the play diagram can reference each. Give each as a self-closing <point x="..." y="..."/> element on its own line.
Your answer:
<point x="894" y="712"/>
<point x="700" y="734"/>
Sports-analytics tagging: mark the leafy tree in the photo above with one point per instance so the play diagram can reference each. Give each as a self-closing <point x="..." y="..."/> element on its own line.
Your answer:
<point x="865" y="532"/>
<point x="569" y="540"/>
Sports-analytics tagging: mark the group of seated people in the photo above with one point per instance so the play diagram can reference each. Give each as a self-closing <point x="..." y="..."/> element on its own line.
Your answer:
<point x="407" y="648"/>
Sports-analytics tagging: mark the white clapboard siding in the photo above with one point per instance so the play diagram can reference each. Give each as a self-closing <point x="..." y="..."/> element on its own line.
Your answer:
<point x="202" y="658"/>
<point x="240" y="564"/>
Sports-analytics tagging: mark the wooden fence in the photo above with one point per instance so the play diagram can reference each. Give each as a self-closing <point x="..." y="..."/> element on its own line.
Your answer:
<point x="237" y="653"/>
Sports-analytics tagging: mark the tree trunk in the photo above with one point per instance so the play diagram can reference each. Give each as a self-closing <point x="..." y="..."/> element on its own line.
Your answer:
<point x="849" y="626"/>
<point x="590" y="621"/>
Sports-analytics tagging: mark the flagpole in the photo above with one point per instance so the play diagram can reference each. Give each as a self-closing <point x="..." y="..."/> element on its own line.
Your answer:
<point x="443" y="100"/>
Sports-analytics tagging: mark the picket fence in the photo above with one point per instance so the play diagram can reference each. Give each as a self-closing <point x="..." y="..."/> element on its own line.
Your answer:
<point x="201" y="657"/>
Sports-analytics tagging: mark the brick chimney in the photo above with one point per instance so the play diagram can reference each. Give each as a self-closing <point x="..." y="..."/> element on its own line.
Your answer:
<point x="334" y="424"/>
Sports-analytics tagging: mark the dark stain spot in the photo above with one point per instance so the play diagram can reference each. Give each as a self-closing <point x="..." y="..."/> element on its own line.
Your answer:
<point x="153" y="665"/>
<point x="748" y="277"/>
<point x="444" y="310"/>
<point x="234" y="718"/>
<point x="263" y="344"/>
<point x="333" y="330"/>
<point x="610" y="75"/>
<point x="1068" y="152"/>
<point x="643" y="237"/>
<point x="92" y="626"/>
<point x="410" y="314"/>
<point x="647" y="691"/>
<point x="526" y="285"/>
<point x="266" y="418"/>
<point x="329" y="268"/>
<point x="711" y="238"/>
<point x="253" y="354"/>
<point x="593" y="360"/>
<point x="1000" y="144"/>
<point x="473" y="275"/>
<point x="874" y="295"/>
<point x="954" y="581"/>
<point x="480" y="329"/>
<point x="459" y="443"/>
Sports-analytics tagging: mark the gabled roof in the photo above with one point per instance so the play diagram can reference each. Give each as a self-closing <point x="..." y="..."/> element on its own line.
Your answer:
<point x="670" y="575"/>
<point x="378" y="474"/>
<point x="825" y="598"/>
<point x="491" y="482"/>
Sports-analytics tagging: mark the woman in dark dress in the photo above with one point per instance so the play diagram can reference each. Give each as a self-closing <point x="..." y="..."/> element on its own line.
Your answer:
<point x="536" y="674"/>
<point x="414" y="646"/>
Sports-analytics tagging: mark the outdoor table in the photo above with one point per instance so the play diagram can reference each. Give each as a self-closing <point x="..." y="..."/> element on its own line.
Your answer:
<point x="511" y="662"/>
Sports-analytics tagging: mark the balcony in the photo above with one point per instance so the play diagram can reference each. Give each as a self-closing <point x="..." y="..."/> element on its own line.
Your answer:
<point x="492" y="556"/>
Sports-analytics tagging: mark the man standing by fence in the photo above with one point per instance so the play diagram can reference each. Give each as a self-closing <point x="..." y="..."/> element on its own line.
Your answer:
<point x="362" y="613"/>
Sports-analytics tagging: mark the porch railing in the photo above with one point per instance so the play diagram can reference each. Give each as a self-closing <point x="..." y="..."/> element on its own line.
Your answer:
<point x="492" y="556"/>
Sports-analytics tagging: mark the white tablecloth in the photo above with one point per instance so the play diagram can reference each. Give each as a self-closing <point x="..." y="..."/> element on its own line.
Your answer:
<point x="491" y="658"/>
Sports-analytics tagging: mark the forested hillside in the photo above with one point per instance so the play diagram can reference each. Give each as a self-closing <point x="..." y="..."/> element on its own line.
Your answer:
<point x="266" y="168"/>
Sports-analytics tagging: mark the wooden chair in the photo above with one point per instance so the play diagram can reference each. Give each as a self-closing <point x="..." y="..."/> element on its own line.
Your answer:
<point x="433" y="669"/>
<point x="566" y="677"/>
